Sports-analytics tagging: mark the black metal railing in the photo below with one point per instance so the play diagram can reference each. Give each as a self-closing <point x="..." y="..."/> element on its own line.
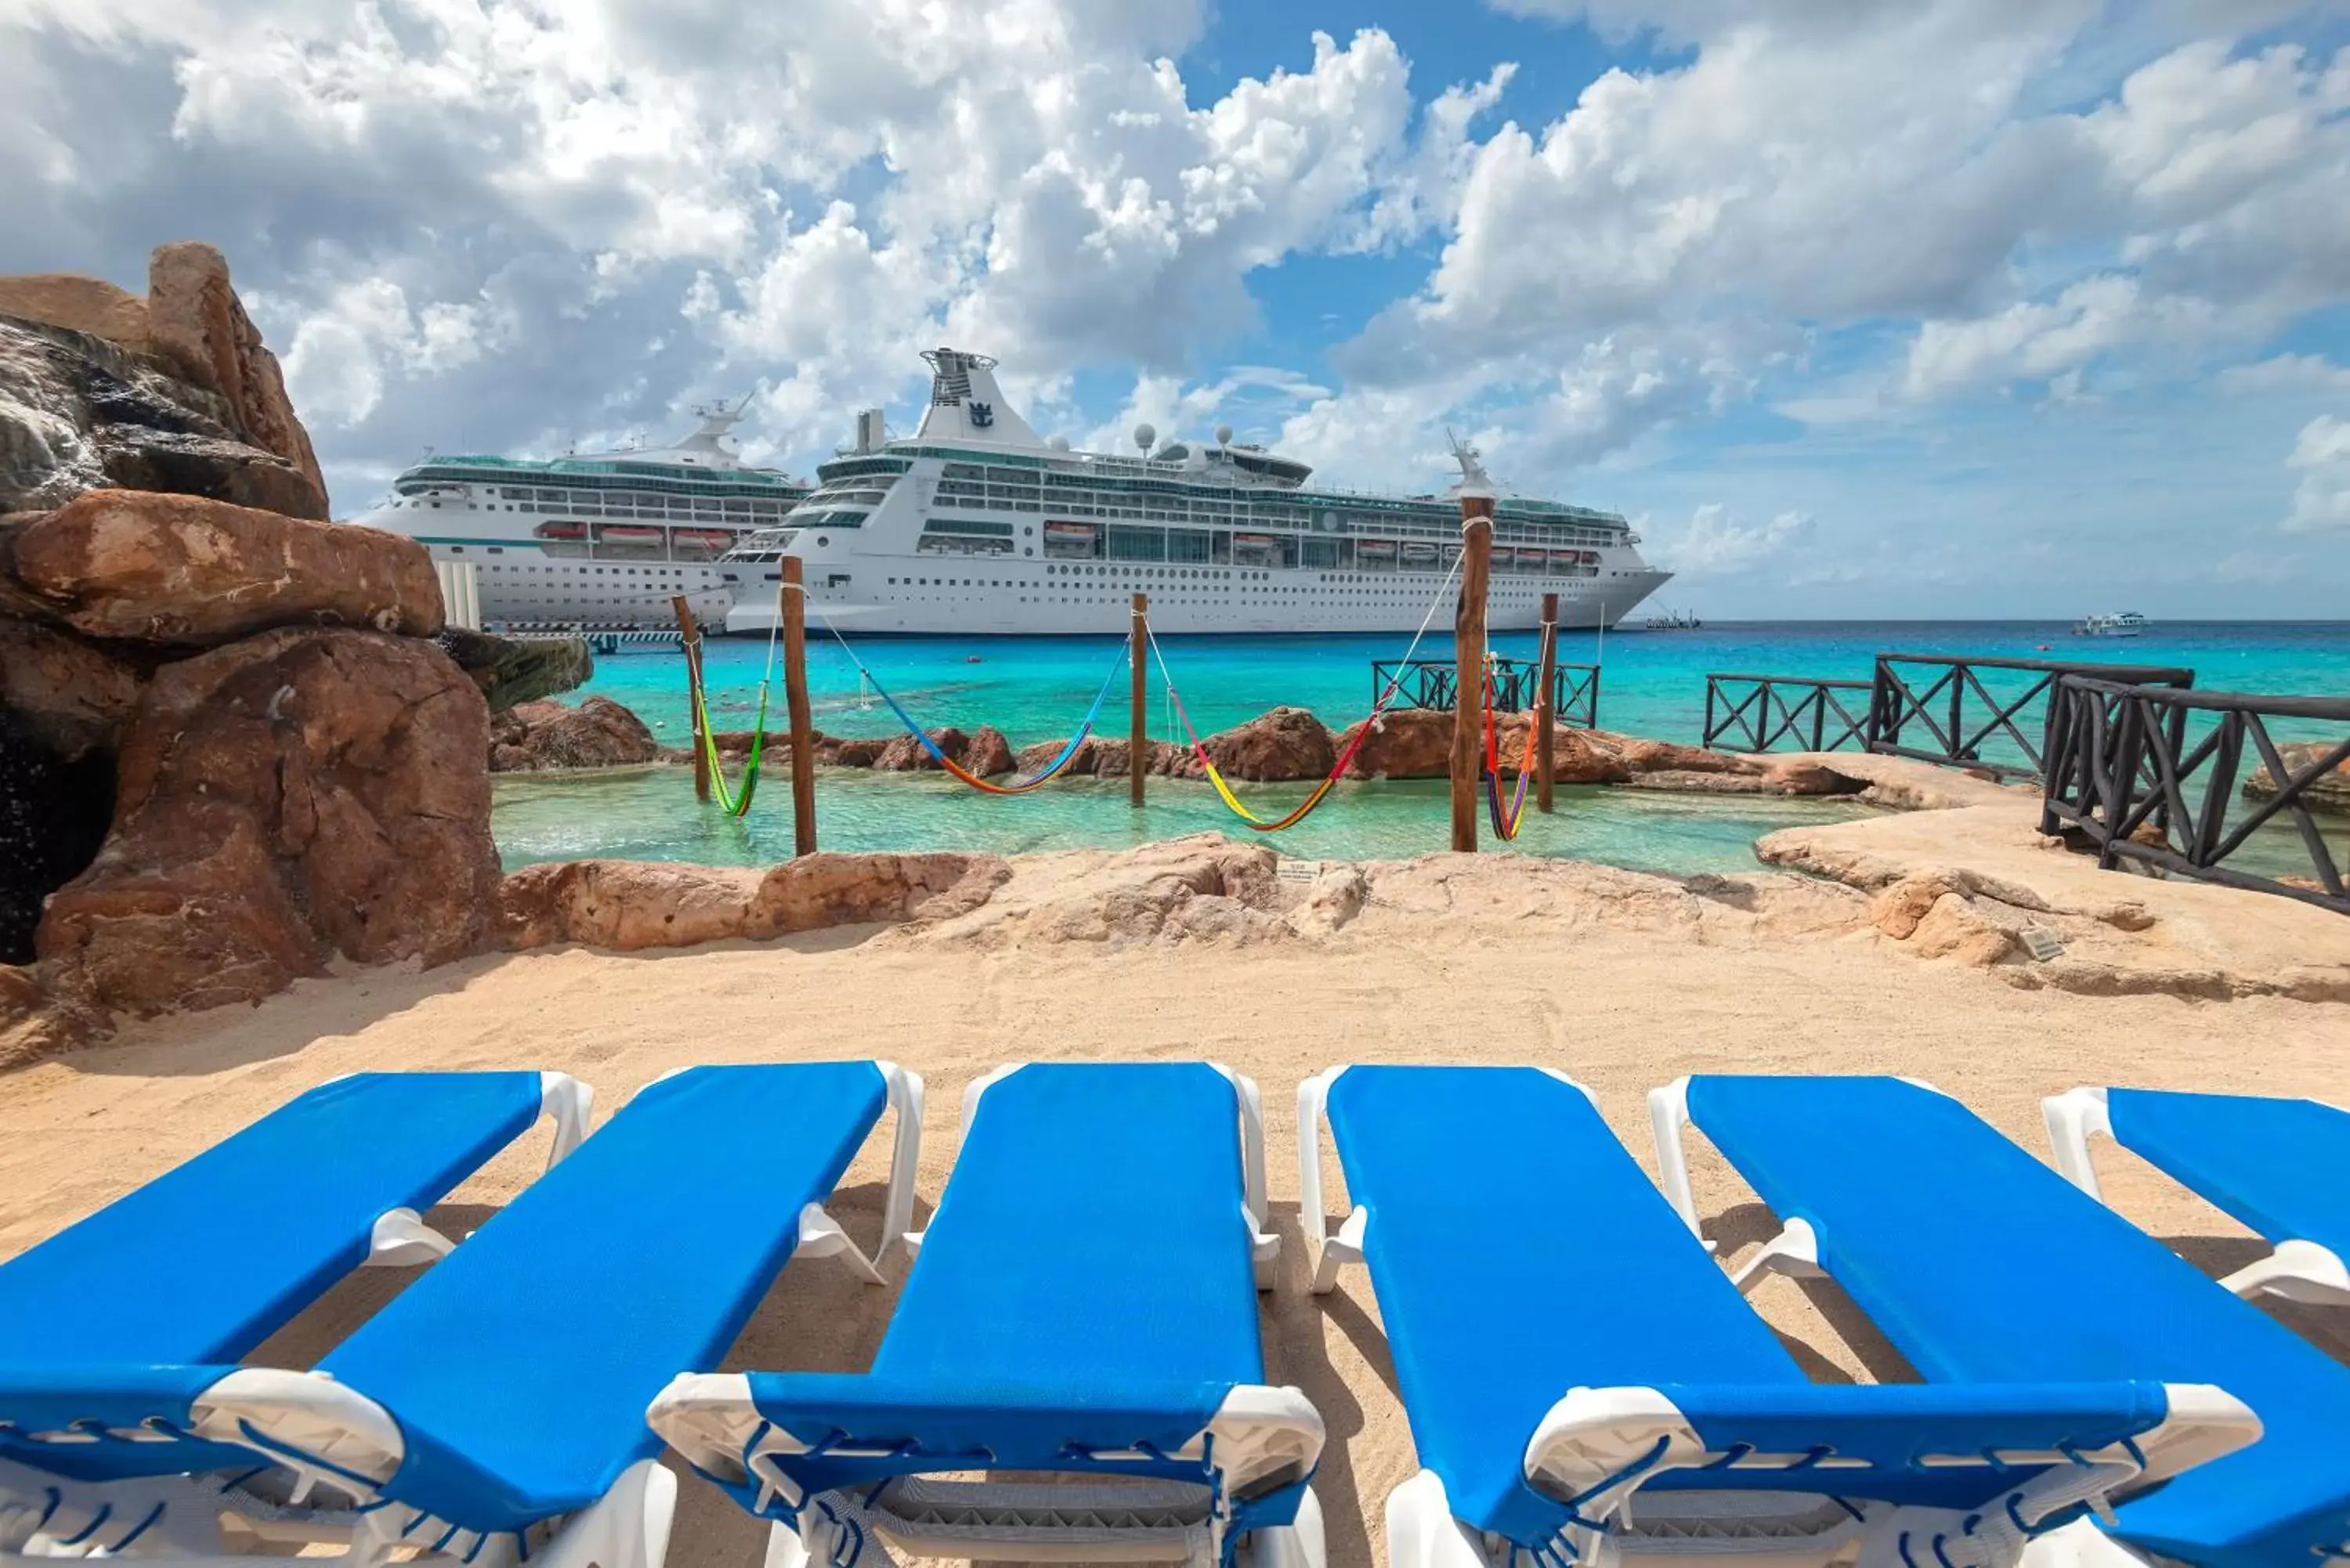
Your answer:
<point x="1754" y="712"/>
<point x="2122" y="775"/>
<point x="1434" y="683"/>
<point x="1939" y="709"/>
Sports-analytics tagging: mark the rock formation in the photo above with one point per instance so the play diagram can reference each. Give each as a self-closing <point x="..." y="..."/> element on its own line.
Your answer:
<point x="2331" y="790"/>
<point x="281" y="799"/>
<point x="1279" y="744"/>
<point x="174" y="392"/>
<point x="510" y="670"/>
<point x="138" y="566"/>
<point x="1417" y="742"/>
<point x="230" y="752"/>
<point x="905" y="754"/>
<point x="532" y="737"/>
<point x="630" y="904"/>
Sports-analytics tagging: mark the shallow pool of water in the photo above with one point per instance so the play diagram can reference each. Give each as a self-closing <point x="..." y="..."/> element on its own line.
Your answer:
<point x="652" y="814"/>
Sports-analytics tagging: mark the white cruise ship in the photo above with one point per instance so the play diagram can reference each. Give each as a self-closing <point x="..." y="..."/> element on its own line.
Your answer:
<point x="600" y="543"/>
<point x="975" y="525"/>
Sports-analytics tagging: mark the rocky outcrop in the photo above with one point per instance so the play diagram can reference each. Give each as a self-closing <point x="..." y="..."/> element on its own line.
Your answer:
<point x="1203" y="888"/>
<point x="534" y="737"/>
<point x="905" y="754"/>
<point x="630" y="904"/>
<point x="174" y="392"/>
<point x="990" y="753"/>
<point x="228" y="754"/>
<point x="64" y="692"/>
<point x="131" y="564"/>
<point x="1416" y="743"/>
<point x="77" y="304"/>
<point x="194" y="318"/>
<point x="1402" y="743"/>
<point x="2329" y="793"/>
<point x="295" y="795"/>
<point x="1278" y="744"/>
<point x="1980" y="885"/>
<point x="511" y="670"/>
<point x="78" y="412"/>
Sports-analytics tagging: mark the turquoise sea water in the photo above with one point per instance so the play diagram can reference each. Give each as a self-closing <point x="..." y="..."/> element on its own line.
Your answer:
<point x="1652" y="683"/>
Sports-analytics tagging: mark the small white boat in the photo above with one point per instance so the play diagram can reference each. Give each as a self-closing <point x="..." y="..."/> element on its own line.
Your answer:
<point x="2116" y="623"/>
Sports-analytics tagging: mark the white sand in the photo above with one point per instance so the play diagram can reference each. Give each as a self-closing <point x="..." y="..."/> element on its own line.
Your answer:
<point x="1636" y="982"/>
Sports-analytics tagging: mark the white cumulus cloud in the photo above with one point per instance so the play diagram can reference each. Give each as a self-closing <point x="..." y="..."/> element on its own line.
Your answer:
<point x="2321" y="456"/>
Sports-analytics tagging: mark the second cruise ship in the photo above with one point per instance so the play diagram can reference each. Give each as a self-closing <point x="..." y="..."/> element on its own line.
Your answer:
<point x="975" y="524"/>
<point x="594" y="542"/>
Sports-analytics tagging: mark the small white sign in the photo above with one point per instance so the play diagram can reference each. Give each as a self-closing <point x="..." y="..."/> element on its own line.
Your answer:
<point x="2042" y="944"/>
<point x="1298" y="870"/>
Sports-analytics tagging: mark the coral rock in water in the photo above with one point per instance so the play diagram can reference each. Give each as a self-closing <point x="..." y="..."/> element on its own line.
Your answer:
<point x="598" y="734"/>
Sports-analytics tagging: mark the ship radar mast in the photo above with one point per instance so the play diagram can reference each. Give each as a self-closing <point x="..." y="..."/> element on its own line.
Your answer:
<point x="1474" y="480"/>
<point x="713" y="441"/>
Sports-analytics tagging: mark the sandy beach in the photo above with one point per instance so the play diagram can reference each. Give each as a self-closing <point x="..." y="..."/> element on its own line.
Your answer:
<point x="1624" y="982"/>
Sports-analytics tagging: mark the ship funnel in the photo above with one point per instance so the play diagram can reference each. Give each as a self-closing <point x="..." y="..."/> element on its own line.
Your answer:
<point x="967" y="405"/>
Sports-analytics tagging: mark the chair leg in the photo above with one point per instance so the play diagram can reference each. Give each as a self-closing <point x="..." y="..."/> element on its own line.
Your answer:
<point x="1422" y="1532"/>
<point x="1298" y="1545"/>
<point x="2297" y="1271"/>
<point x="626" y="1528"/>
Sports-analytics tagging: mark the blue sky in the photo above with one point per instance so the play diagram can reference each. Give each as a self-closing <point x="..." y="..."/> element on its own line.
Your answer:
<point x="1863" y="307"/>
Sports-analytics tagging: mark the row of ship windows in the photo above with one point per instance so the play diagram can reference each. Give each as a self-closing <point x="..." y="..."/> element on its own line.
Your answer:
<point x="1288" y="520"/>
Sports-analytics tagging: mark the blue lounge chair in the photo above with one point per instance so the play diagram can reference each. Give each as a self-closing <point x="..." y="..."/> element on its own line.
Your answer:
<point x="2273" y="1165"/>
<point x="208" y="1260"/>
<point x="493" y="1411"/>
<point x="1586" y="1382"/>
<point x="1979" y="1262"/>
<point x="1083" y="1303"/>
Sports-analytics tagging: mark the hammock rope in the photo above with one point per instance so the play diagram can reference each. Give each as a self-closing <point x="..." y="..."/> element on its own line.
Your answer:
<point x="1508" y="819"/>
<point x="1051" y="770"/>
<point x="734" y="802"/>
<point x="1250" y="819"/>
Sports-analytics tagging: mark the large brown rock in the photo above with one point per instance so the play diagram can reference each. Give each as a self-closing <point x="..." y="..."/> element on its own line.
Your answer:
<point x="819" y="892"/>
<point x="630" y="904"/>
<point x="297" y="794"/>
<point x="195" y="319"/>
<point x="77" y="304"/>
<point x="181" y="569"/>
<point x="532" y="737"/>
<point x="1277" y="746"/>
<point x="2330" y="793"/>
<point x="1403" y="743"/>
<point x="990" y="753"/>
<point x="848" y="753"/>
<point x="906" y="754"/>
<point x="67" y="694"/>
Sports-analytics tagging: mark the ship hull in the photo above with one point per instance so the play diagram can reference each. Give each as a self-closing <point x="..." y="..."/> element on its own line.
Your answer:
<point x="521" y="584"/>
<point x="930" y="598"/>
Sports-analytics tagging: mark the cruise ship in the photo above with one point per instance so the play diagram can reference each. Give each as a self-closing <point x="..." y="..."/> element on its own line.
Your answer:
<point x="598" y="543"/>
<point x="975" y="525"/>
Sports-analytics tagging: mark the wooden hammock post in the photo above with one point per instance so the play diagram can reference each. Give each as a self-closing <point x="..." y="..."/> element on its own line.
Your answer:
<point x="1137" y="744"/>
<point x="1469" y="665"/>
<point x="689" y="642"/>
<point x="793" y="603"/>
<point x="1543" y="714"/>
